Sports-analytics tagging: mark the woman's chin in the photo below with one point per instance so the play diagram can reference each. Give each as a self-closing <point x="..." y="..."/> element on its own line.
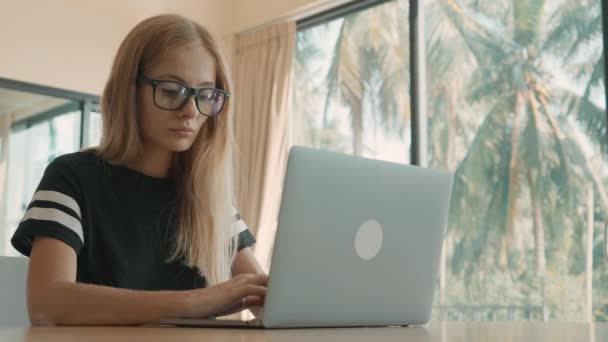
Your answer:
<point x="179" y="146"/>
<point x="182" y="148"/>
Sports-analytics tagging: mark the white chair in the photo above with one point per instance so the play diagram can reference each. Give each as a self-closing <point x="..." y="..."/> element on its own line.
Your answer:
<point x="13" y="305"/>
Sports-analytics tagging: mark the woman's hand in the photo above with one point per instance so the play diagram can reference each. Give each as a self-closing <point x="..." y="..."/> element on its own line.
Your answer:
<point x="242" y="292"/>
<point x="246" y="262"/>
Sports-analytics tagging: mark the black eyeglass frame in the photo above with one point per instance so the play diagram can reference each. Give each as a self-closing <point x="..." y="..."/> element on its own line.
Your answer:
<point x="192" y="92"/>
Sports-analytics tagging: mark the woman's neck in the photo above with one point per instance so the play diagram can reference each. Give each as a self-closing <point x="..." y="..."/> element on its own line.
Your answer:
<point x="154" y="162"/>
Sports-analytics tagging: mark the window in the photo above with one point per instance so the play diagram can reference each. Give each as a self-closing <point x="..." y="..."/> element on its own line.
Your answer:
<point x="95" y="128"/>
<point x="515" y="108"/>
<point x="37" y="124"/>
<point x="30" y="151"/>
<point x="351" y="91"/>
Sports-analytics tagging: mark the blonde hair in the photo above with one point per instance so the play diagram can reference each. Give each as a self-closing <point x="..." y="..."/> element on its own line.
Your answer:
<point x="204" y="173"/>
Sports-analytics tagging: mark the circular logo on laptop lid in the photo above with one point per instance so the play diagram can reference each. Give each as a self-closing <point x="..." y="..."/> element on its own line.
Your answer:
<point x="368" y="240"/>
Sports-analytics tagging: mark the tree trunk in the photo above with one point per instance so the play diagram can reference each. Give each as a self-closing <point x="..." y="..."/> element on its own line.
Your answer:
<point x="450" y="114"/>
<point x="355" y="102"/>
<point x="442" y="273"/>
<point x="537" y="222"/>
<point x="357" y="131"/>
<point x="589" y="259"/>
<point x="534" y="173"/>
<point x="449" y="159"/>
<point x="507" y="243"/>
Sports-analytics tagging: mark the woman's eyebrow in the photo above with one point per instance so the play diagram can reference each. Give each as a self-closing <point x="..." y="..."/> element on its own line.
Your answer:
<point x="181" y="80"/>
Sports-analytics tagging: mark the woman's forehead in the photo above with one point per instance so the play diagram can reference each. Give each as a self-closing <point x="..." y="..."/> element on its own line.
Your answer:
<point x="191" y="63"/>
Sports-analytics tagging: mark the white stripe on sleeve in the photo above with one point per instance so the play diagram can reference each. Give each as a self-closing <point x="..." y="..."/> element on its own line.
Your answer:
<point x="55" y="215"/>
<point x="57" y="197"/>
<point x="239" y="226"/>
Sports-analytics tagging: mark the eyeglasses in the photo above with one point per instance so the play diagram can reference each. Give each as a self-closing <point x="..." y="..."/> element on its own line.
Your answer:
<point x="170" y="95"/>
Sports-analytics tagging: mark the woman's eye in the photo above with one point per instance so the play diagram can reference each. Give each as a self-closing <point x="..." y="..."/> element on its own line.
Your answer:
<point x="170" y="92"/>
<point x="206" y="97"/>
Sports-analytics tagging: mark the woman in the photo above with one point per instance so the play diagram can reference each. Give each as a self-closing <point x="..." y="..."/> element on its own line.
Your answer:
<point x="143" y="227"/>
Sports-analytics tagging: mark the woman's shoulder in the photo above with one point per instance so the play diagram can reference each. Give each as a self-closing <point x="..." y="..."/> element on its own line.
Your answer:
<point x="81" y="162"/>
<point x="80" y="156"/>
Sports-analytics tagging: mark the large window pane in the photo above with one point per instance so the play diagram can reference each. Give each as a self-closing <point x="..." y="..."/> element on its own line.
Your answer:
<point x="95" y="128"/>
<point x="45" y="133"/>
<point x="351" y="84"/>
<point x="516" y="110"/>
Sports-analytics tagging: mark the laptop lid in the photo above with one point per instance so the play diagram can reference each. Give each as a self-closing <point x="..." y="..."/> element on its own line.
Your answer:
<point x="358" y="242"/>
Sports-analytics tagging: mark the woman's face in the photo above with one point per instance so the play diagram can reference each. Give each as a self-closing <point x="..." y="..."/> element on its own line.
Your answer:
<point x="174" y="130"/>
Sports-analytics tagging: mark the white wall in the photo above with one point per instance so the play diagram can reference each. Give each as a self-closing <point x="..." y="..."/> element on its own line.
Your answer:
<point x="249" y="14"/>
<point x="71" y="43"/>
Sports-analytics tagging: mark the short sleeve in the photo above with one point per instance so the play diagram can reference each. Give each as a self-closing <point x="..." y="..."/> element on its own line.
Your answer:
<point x="54" y="211"/>
<point x="246" y="238"/>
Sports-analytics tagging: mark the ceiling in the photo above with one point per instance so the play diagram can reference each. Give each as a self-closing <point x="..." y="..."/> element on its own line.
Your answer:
<point x="21" y="104"/>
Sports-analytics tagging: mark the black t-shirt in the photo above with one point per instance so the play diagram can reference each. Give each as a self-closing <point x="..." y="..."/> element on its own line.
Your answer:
<point x="120" y="222"/>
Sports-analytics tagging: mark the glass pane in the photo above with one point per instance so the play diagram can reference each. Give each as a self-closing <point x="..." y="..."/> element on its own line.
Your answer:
<point x="51" y="128"/>
<point x="95" y="129"/>
<point x="351" y="84"/>
<point x="516" y="110"/>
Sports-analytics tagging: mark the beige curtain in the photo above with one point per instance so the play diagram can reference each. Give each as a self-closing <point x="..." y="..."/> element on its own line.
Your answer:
<point x="263" y="66"/>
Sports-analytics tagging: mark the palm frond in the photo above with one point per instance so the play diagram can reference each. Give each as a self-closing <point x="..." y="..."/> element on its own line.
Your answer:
<point x="527" y="18"/>
<point x="332" y="73"/>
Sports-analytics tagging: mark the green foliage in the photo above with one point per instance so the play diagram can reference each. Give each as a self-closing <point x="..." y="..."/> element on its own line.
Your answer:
<point x="513" y="111"/>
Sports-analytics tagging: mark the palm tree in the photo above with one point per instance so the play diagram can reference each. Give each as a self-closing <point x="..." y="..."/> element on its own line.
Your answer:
<point x="370" y="63"/>
<point x="578" y="25"/>
<point x="496" y="117"/>
<point x="308" y="94"/>
<point x="304" y="90"/>
<point x="450" y="63"/>
<point x="521" y="139"/>
<point x="511" y="72"/>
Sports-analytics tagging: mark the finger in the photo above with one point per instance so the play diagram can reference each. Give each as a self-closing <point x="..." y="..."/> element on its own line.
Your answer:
<point x="249" y="290"/>
<point x="249" y="278"/>
<point x="236" y="294"/>
<point x="240" y="305"/>
<point x="253" y="301"/>
<point x="250" y="302"/>
<point x="241" y="278"/>
<point x="232" y="307"/>
<point x="260" y="279"/>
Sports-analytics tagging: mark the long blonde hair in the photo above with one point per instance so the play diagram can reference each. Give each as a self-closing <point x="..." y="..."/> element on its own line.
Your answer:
<point x="204" y="173"/>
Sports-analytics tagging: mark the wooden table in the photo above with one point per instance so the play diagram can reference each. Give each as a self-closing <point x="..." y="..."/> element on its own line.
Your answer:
<point x="435" y="331"/>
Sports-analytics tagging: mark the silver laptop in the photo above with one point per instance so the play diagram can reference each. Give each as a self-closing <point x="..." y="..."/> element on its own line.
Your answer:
<point x="358" y="244"/>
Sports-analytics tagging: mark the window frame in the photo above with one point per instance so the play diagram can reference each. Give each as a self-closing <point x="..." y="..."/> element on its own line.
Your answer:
<point x="84" y="102"/>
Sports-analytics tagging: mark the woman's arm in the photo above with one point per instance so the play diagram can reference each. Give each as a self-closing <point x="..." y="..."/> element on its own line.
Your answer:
<point x="54" y="298"/>
<point x="246" y="262"/>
